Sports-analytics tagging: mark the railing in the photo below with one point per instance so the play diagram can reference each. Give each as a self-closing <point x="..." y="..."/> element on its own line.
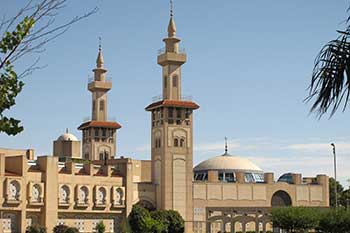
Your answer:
<point x="86" y="119"/>
<point x="160" y="97"/>
<point x="180" y="50"/>
<point x="157" y="98"/>
<point x="108" y="79"/>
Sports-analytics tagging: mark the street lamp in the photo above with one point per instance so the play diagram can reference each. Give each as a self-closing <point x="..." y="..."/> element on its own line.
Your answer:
<point x="335" y="176"/>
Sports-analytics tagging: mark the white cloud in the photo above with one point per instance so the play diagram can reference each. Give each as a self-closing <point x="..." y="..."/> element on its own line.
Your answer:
<point x="319" y="147"/>
<point x="216" y="146"/>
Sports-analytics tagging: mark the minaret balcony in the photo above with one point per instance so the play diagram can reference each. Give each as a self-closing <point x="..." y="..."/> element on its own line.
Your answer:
<point x="168" y="57"/>
<point x="99" y="85"/>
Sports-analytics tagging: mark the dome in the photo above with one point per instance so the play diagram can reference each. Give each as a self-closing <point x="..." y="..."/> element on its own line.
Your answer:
<point x="67" y="137"/>
<point x="228" y="162"/>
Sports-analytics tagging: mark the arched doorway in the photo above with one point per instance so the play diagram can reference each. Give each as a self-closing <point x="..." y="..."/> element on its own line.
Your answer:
<point x="280" y="199"/>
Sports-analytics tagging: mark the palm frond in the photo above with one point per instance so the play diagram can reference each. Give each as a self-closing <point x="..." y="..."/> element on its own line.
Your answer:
<point x="330" y="84"/>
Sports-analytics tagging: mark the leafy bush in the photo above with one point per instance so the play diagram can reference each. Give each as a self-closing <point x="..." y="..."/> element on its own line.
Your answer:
<point x="36" y="229"/>
<point x="141" y="221"/>
<point x="100" y="227"/>
<point x="72" y="230"/>
<point x="60" y="229"/>
<point x="172" y="220"/>
<point x="160" y="221"/>
<point x="334" y="221"/>
<point x="295" y="219"/>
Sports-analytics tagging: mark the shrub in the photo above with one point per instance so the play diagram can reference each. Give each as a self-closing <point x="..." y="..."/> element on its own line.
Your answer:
<point x="171" y="219"/>
<point x="72" y="230"/>
<point x="60" y="229"/>
<point x="295" y="219"/>
<point x="140" y="220"/>
<point x="334" y="221"/>
<point x="100" y="227"/>
<point x="36" y="229"/>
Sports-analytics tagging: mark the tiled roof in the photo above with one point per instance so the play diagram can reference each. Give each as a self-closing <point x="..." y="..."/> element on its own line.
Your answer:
<point x="102" y="124"/>
<point x="173" y="103"/>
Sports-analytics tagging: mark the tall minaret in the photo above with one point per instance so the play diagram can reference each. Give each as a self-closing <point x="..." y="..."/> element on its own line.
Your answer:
<point x="99" y="134"/>
<point x="172" y="134"/>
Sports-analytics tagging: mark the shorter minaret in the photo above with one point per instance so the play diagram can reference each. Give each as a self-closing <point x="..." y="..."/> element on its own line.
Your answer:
<point x="99" y="134"/>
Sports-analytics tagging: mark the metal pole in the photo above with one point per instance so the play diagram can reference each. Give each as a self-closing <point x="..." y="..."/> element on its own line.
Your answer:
<point x="335" y="176"/>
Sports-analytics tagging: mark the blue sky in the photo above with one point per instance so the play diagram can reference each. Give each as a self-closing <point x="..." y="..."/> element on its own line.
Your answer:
<point x="249" y="65"/>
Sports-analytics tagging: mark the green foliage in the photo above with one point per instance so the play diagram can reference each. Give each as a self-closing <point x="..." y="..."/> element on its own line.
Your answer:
<point x="334" y="221"/>
<point x="10" y="85"/>
<point x="295" y="219"/>
<point x="172" y="220"/>
<point x="100" y="227"/>
<point x="160" y="221"/>
<point x="140" y="220"/>
<point x="72" y="230"/>
<point x="60" y="229"/>
<point x="329" y="87"/>
<point x="36" y="229"/>
<point x="340" y="189"/>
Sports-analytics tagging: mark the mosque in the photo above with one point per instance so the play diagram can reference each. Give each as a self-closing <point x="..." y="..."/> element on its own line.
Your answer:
<point x="85" y="181"/>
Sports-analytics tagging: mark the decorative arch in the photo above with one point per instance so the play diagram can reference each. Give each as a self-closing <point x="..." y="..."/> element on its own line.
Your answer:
<point x="281" y="198"/>
<point x="36" y="193"/>
<point x="83" y="194"/>
<point x="14" y="190"/>
<point x="101" y="195"/>
<point x="64" y="194"/>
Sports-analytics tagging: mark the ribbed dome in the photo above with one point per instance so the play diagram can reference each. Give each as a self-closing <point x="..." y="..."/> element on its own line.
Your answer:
<point x="67" y="137"/>
<point x="227" y="162"/>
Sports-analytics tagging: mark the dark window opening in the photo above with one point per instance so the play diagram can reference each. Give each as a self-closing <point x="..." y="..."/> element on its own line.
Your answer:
<point x="175" y="81"/>
<point x="176" y="142"/>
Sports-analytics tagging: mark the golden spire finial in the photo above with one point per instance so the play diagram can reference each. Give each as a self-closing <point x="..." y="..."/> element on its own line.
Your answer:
<point x="99" y="60"/>
<point x="171" y="26"/>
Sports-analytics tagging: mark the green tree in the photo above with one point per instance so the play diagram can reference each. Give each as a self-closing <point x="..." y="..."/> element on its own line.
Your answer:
<point x="100" y="227"/>
<point x="340" y="189"/>
<point x="172" y="220"/>
<point x="26" y="33"/>
<point x="36" y="229"/>
<point x="334" y="221"/>
<point x="330" y="82"/>
<point x="140" y="220"/>
<point x="344" y="199"/>
<point x="60" y="229"/>
<point x="295" y="219"/>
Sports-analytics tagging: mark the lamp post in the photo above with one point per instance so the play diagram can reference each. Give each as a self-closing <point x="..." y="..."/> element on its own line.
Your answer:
<point x="335" y="176"/>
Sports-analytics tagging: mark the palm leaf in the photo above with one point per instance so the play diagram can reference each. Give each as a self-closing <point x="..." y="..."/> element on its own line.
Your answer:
<point x="330" y="82"/>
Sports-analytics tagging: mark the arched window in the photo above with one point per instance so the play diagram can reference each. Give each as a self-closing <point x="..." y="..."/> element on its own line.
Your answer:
<point x="176" y="142"/>
<point x="14" y="190"/>
<point x="83" y="194"/>
<point x="36" y="193"/>
<point x="175" y="80"/>
<point x="118" y="196"/>
<point x="281" y="198"/>
<point x="101" y="196"/>
<point x="64" y="194"/>
<point x="102" y="105"/>
<point x="182" y="142"/>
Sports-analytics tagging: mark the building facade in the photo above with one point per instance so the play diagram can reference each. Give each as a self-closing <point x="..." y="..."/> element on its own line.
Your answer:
<point x="84" y="183"/>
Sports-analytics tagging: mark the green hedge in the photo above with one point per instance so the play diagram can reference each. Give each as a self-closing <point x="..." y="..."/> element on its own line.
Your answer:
<point x="159" y="221"/>
<point x="304" y="219"/>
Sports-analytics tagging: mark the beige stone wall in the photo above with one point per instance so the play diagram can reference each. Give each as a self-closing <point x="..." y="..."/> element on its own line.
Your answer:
<point x="31" y="192"/>
<point x="256" y="194"/>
